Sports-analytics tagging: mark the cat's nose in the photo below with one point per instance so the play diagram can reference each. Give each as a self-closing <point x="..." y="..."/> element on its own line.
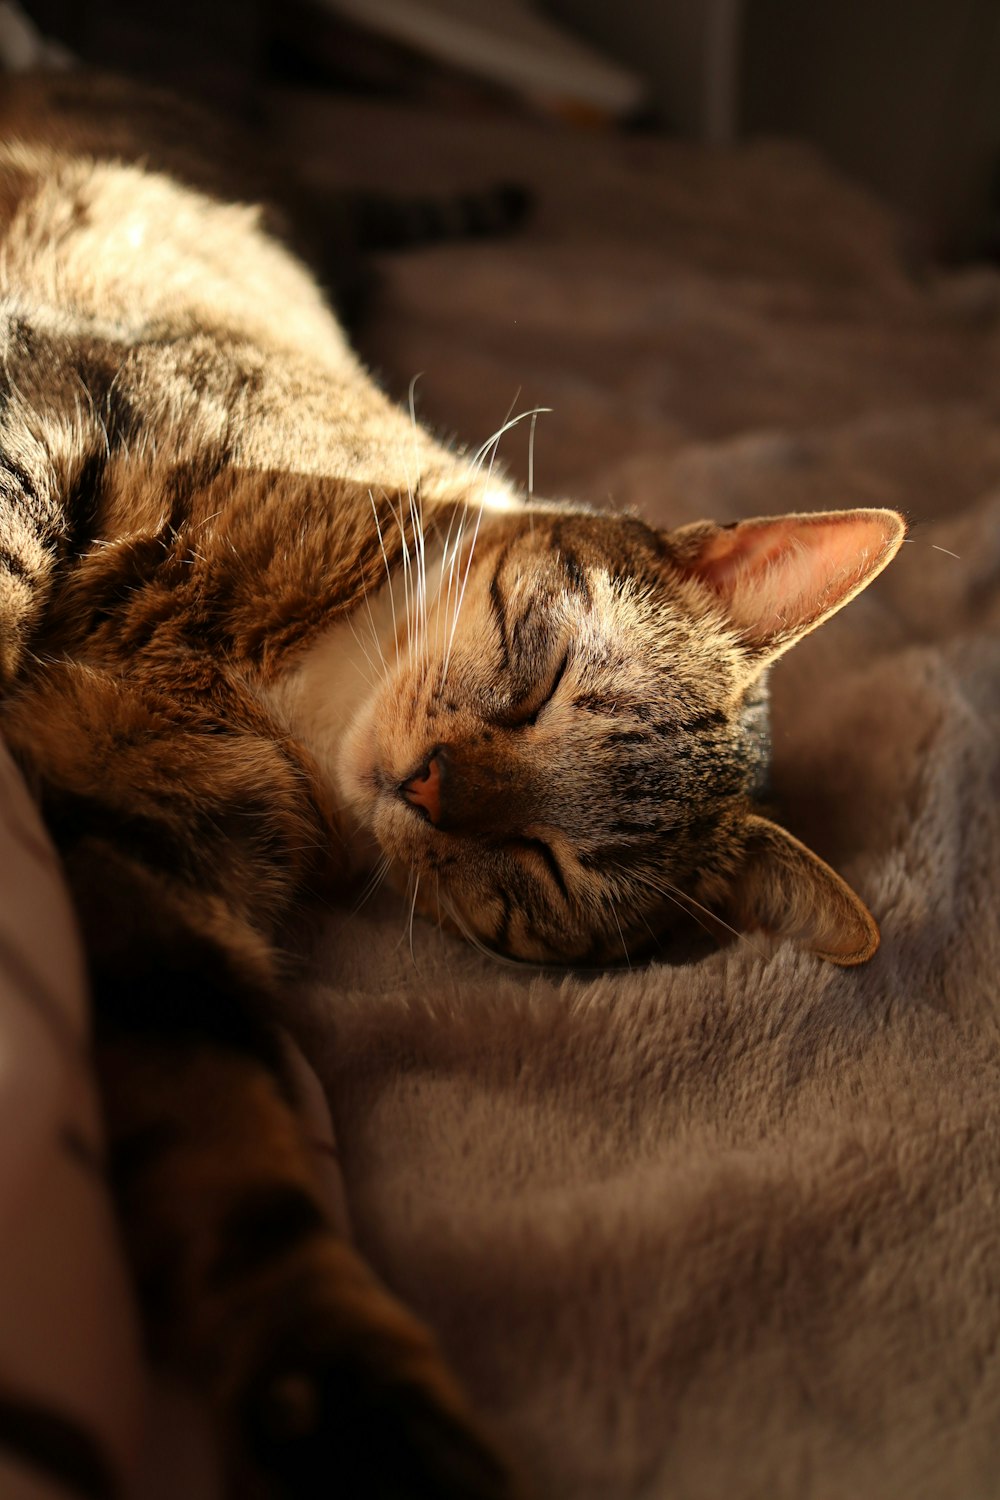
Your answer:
<point x="424" y="789"/>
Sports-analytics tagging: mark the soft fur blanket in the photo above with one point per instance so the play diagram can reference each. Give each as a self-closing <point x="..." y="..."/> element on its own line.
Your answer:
<point x="730" y="1228"/>
<point x="724" y="1229"/>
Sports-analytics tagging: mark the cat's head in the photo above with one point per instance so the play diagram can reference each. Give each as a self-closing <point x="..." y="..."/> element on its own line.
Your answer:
<point x="571" y="745"/>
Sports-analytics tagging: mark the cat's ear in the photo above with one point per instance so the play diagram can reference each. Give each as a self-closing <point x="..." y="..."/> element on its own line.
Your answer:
<point x="779" y="577"/>
<point x="787" y="890"/>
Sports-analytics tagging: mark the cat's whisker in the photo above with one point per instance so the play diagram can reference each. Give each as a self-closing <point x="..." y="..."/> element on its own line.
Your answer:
<point x="413" y="545"/>
<point x="416" y="635"/>
<point x="648" y="928"/>
<point x="683" y="899"/>
<point x="468" y="565"/>
<point x="509" y="422"/>
<point x="685" y="902"/>
<point x="416" y="513"/>
<point x="531" y="470"/>
<point x="493" y="440"/>
<point x="388" y="574"/>
<point x="412" y="401"/>
<point x="406" y="898"/>
<point x="461" y="593"/>
<point x="450" y="613"/>
<point x="374" y="631"/>
<point x="491" y="447"/>
<point x="453" y="556"/>
<point x="412" y="891"/>
<point x="415" y="499"/>
<point x="372" y="884"/>
<point x="409" y="583"/>
<point x="405" y="516"/>
<point x="405" y="560"/>
<point x="413" y="908"/>
<point x="374" y="676"/>
<point x="476" y="942"/>
<point x="412" y="570"/>
<point x="445" y="567"/>
<point x="445" y="613"/>
<point x="621" y="935"/>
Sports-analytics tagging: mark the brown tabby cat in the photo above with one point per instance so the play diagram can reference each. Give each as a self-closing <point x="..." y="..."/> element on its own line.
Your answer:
<point x="259" y="631"/>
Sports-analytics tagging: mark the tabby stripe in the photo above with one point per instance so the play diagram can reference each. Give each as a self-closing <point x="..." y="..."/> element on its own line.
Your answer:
<point x="188" y="479"/>
<point x="521" y="625"/>
<point x="264" y="1225"/>
<point x="630" y="828"/>
<point x="629" y="737"/>
<point x="621" y="854"/>
<point x="156" y="978"/>
<point x="183" y="846"/>
<point x="123" y="421"/>
<point x="84" y="500"/>
<point x="499" y="607"/>
<point x="22" y="478"/>
<point x="711" y="720"/>
<point x="56" y="1446"/>
<point x="575" y="574"/>
<point x="545" y="851"/>
<point x="609" y="857"/>
<point x="592" y="703"/>
<point x="153" y="842"/>
<point x="16" y="566"/>
<point x="502" y="937"/>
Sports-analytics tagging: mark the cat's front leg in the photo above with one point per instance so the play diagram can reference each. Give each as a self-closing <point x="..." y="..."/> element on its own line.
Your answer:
<point x="185" y="842"/>
<point x="320" y="1382"/>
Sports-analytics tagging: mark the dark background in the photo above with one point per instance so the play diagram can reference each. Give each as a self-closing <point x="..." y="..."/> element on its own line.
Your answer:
<point x="903" y="94"/>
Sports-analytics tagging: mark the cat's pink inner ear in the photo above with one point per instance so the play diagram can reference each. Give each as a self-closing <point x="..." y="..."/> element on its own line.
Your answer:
<point x="778" y="578"/>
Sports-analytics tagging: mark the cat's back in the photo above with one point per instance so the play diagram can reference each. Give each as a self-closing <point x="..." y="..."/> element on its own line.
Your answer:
<point x="102" y="231"/>
<point x="172" y="378"/>
<point x="127" y="272"/>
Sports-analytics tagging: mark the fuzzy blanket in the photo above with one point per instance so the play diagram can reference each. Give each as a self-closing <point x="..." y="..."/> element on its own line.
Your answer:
<point x="725" y="1229"/>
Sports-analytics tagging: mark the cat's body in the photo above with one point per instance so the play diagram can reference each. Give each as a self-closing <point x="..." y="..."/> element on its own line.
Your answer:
<point x="259" y="630"/>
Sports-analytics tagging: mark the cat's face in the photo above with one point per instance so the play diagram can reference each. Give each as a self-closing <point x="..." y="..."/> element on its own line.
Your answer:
<point x="566" y="751"/>
<point x="567" y="754"/>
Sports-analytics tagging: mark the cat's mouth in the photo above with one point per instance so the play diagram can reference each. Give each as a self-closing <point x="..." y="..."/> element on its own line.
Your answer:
<point x="402" y="812"/>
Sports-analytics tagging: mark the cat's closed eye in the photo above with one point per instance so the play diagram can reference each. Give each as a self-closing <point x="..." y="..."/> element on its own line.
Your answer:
<point x="528" y="710"/>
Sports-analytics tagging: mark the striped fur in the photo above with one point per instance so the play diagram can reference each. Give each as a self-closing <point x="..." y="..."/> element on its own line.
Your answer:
<point x="559" y="739"/>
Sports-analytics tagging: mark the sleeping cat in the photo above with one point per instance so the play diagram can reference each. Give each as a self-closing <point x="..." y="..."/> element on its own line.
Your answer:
<point x="260" y="634"/>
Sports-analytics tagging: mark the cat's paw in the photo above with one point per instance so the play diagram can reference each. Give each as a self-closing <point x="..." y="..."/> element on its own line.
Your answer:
<point x="338" y="1431"/>
<point x="340" y="1391"/>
